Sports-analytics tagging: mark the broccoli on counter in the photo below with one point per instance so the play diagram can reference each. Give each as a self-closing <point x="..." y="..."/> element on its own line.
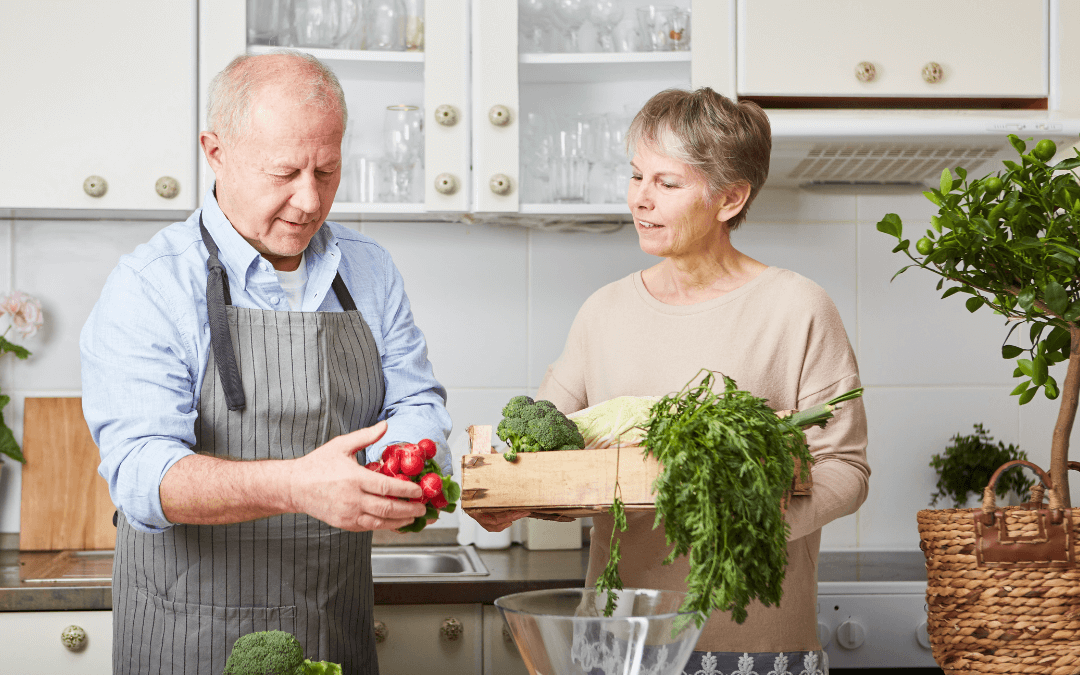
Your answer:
<point x="532" y="426"/>
<point x="273" y="652"/>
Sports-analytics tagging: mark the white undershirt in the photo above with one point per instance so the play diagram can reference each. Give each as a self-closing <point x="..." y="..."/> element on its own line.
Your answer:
<point x="293" y="284"/>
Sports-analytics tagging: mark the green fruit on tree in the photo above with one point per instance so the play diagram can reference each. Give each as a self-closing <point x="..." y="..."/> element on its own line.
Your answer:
<point x="992" y="185"/>
<point x="1045" y="149"/>
<point x="924" y="246"/>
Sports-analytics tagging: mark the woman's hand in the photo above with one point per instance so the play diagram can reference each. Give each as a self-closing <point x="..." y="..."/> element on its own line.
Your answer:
<point x="500" y="520"/>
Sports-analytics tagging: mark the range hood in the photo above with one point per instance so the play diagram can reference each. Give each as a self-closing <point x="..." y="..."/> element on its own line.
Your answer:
<point x="884" y="148"/>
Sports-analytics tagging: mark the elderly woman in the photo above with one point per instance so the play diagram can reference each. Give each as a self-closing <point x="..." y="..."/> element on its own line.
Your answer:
<point x="698" y="161"/>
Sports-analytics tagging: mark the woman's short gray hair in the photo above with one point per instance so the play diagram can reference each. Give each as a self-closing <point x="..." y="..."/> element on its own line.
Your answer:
<point x="725" y="142"/>
<point x="232" y="91"/>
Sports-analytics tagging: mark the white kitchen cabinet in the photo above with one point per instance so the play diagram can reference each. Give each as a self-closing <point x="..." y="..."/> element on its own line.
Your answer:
<point x="103" y="89"/>
<point x="917" y="48"/>
<point x="32" y="643"/>
<point x="501" y="655"/>
<point x="447" y="639"/>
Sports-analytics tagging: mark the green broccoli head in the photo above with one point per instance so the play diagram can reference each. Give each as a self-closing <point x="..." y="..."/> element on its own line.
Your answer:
<point x="532" y="426"/>
<point x="273" y="652"/>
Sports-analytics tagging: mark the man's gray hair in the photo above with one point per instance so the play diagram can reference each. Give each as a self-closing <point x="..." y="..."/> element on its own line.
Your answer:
<point x="232" y="91"/>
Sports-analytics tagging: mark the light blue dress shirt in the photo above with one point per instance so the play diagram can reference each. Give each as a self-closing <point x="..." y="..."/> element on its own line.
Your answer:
<point x="145" y="347"/>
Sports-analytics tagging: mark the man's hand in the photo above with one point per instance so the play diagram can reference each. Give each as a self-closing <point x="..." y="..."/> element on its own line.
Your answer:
<point x="327" y="483"/>
<point x="330" y="485"/>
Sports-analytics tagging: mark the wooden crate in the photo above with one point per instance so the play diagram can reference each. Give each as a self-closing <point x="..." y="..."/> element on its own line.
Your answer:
<point x="563" y="484"/>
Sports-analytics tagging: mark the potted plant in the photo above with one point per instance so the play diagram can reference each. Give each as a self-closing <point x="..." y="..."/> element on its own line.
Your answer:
<point x="1010" y="240"/>
<point x="967" y="464"/>
<point x="24" y="314"/>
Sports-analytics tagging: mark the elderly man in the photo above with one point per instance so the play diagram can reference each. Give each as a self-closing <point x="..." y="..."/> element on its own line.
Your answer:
<point x="234" y="370"/>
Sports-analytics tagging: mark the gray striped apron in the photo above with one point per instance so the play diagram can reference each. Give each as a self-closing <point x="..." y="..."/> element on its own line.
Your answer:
<point x="290" y="382"/>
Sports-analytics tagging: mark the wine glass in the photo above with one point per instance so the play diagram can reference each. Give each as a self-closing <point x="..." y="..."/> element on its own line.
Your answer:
<point x="605" y="15"/>
<point x="403" y="140"/>
<point x="570" y="15"/>
<point x="534" y="22"/>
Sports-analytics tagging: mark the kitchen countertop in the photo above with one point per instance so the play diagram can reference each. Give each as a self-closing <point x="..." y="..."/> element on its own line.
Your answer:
<point x="512" y="570"/>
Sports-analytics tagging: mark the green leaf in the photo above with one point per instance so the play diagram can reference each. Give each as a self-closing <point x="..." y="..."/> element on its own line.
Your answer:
<point x="8" y="347"/>
<point x="973" y="303"/>
<point x="1028" y="395"/>
<point x="1067" y="164"/>
<point x="935" y="222"/>
<point x="8" y="445"/>
<point x="1039" y="371"/>
<point x="902" y="246"/>
<point x="1017" y="143"/>
<point x="1010" y="351"/>
<point x="1025" y="367"/>
<point x="1020" y="388"/>
<point x="891" y="224"/>
<point x="933" y="196"/>
<point x="1013" y="166"/>
<point x="1050" y="389"/>
<point x="952" y="291"/>
<point x="961" y="172"/>
<point x="1055" y="297"/>
<point x="946" y="181"/>
<point x="1026" y="298"/>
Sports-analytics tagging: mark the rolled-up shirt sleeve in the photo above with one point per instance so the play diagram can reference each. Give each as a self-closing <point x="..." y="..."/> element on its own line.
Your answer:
<point x="415" y="403"/>
<point x="139" y="376"/>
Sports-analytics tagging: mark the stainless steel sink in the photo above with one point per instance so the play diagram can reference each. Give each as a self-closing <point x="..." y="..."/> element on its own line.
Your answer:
<point x="386" y="561"/>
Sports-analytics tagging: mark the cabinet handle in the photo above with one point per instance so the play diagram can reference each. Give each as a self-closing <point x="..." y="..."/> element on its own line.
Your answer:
<point x="381" y="632"/>
<point x="499" y="115"/>
<point x="932" y="73"/>
<point x="446" y="115"/>
<point x="500" y="184"/>
<point x="167" y="187"/>
<point x="865" y="71"/>
<point x="446" y="184"/>
<point x="451" y="630"/>
<point x="95" y="186"/>
<point x="73" y="637"/>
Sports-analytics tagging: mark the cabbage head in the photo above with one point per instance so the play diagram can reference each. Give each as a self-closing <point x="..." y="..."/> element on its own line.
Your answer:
<point x="615" y="422"/>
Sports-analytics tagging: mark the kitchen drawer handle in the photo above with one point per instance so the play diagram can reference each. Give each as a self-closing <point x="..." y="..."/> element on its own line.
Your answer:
<point x="381" y="632"/>
<point x="446" y="184"/>
<point x="451" y="630"/>
<point x="500" y="184"/>
<point x="932" y="73"/>
<point x="73" y="637"/>
<point x="446" y="115"/>
<point x="499" y="115"/>
<point x="167" y="187"/>
<point x="865" y="71"/>
<point x="95" y="186"/>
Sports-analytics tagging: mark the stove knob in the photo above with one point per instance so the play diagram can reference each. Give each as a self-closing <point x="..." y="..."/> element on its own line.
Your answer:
<point x="824" y="634"/>
<point x="851" y="634"/>
<point x="922" y="636"/>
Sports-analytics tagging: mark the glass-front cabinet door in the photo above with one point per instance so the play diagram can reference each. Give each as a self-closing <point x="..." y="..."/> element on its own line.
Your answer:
<point x="486" y="106"/>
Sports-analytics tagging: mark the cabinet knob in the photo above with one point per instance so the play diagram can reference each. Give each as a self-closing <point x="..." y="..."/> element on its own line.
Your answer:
<point x="451" y="630"/>
<point x="95" y="186"/>
<point x="446" y="115"/>
<point x="499" y="115"/>
<point x="500" y="184"/>
<point x="73" y="637"/>
<point x="381" y="632"/>
<point x="922" y="636"/>
<point x="932" y="73"/>
<point x="865" y="71"/>
<point x="167" y="187"/>
<point x="446" y="184"/>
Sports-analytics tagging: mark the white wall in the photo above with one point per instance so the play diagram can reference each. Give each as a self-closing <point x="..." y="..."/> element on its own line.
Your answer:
<point x="496" y="301"/>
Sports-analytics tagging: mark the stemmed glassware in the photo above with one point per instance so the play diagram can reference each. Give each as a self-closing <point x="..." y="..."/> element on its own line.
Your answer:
<point x="534" y="21"/>
<point x="605" y="15"/>
<point x="570" y="15"/>
<point x="403" y="141"/>
<point x="655" y="24"/>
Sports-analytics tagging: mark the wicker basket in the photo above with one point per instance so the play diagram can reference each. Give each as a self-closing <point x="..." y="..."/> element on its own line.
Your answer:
<point x="1003" y="586"/>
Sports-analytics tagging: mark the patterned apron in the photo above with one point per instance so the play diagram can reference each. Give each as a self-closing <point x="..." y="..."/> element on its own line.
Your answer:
<point x="287" y="383"/>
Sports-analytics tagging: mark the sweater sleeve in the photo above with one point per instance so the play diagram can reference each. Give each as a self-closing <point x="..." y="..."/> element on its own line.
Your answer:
<point x="564" y="381"/>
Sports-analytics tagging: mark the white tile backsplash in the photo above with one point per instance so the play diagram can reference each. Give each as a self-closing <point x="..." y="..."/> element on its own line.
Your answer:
<point x="495" y="303"/>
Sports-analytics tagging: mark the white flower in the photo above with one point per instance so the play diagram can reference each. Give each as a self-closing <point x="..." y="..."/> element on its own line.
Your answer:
<point x="25" y="312"/>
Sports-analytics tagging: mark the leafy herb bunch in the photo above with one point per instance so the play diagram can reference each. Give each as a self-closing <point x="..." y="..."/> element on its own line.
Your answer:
<point x="1011" y="241"/>
<point x="727" y="460"/>
<point x="968" y="463"/>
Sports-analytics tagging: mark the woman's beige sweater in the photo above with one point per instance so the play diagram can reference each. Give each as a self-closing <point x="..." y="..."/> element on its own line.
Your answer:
<point x="779" y="337"/>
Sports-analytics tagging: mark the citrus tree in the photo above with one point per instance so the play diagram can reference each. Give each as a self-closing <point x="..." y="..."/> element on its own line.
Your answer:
<point x="1011" y="240"/>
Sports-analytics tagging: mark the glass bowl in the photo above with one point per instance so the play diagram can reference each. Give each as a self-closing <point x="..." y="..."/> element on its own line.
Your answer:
<point x="565" y="632"/>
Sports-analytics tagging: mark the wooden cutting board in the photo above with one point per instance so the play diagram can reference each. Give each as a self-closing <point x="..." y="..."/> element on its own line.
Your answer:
<point x="65" y="503"/>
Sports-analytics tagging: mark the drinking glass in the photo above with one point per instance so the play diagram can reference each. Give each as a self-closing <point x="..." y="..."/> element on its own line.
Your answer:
<point x="534" y="23"/>
<point x="414" y="25"/>
<point x="316" y="23"/>
<point x="655" y="24"/>
<point x="625" y="36"/>
<point x="385" y="25"/>
<point x="352" y="25"/>
<point x="536" y="143"/>
<point x="680" y="29"/>
<point x="605" y="15"/>
<point x="266" y="19"/>
<point x="569" y="168"/>
<point x="403" y="138"/>
<point x="570" y="15"/>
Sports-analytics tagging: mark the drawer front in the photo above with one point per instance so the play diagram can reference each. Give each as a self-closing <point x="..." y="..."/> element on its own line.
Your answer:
<point x="418" y="637"/>
<point x="32" y="644"/>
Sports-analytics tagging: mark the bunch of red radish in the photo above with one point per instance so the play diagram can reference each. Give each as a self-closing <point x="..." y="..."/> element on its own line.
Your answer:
<point x="414" y="462"/>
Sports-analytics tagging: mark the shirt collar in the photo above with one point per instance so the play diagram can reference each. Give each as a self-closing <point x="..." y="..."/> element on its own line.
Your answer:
<point x="239" y="257"/>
